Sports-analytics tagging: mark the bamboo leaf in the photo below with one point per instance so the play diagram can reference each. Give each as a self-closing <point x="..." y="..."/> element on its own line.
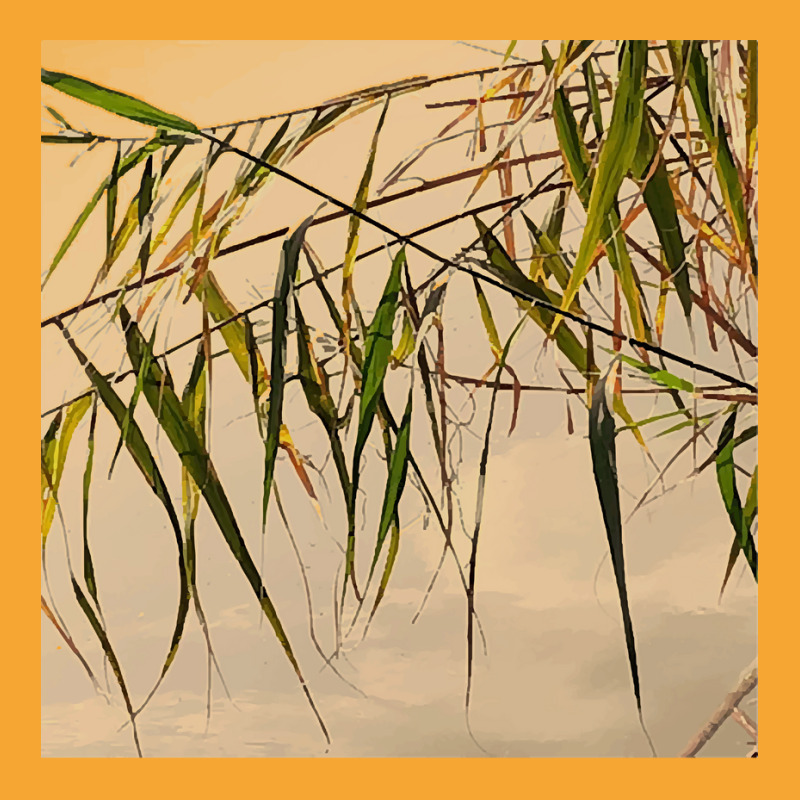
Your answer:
<point x="111" y="199"/>
<point x="578" y="165"/>
<point x="377" y="352"/>
<point x="360" y="205"/>
<point x="186" y="194"/>
<point x="181" y="433"/>
<point x="55" y="447"/>
<point x="488" y="320"/>
<point x="751" y="102"/>
<point x="553" y="262"/>
<point x="714" y="131"/>
<point x="726" y="478"/>
<point x="594" y="99"/>
<point x="395" y="482"/>
<point x="315" y="387"/>
<point x="137" y="392"/>
<point x="108" y="650"/>
<point x="126" y="164"/>
<point x="88" y="565"/>
<point x="58" y="117"/>
<point x="284" y="288"/>
<point x="502" y="267"/>
<point x="407" y="344"/>
<point x="616" y="157"/>
<point x="143" y="458"/>
<point x="602" y="441"/>
<point x="661" y="376"/>
<point x="662" y="209"/>
<point x="115" y="102"/>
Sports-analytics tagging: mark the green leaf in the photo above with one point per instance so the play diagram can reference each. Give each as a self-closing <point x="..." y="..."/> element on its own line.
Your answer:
<point x="616" y="157"/>
<point x="406" y="345"/>
<point x="314" y="381"/>
<point x="377" y="352"/>
<point x="88" y="565"/>
<point x="115" y="102"/>
<point x="660" y="204"/>
<point x="233" y="332"/>
<point x="111" y="199"/>
<point x="594" y="99"/>
<point x="284" y="288"/>
<point x="726" y="478"/>
<point x="398" y="468"/>
<point x="662" y="376"/>
<point x="714" y="131"/>
<point x="58" y="117"/>
<point x="488" y="320"/>
<point x="685" y="424"/>
<point x="137" y="392"/>
<point x="505" y="269"/>
<point x="253" y="176"/>
<point x="553" y="263"/>
<point x="602" y="441"/>
<point x="143" y="458"/>
<point x="55" y="447"/>
<point x="187" y="193"/>
<point x="360" y="205"/>
<point x="181" y="433"/>
<point x="108" y="650"/>
<point x="127" y="164"/>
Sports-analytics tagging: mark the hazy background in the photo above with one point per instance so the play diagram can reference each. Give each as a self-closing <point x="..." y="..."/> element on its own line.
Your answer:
<point x="556" y="680"/>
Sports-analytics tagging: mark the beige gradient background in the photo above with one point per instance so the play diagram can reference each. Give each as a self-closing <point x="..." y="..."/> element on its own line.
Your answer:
<point x="555" y="681"/>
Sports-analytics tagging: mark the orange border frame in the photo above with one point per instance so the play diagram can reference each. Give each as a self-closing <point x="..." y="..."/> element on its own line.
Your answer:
<point x="387" y="778"/>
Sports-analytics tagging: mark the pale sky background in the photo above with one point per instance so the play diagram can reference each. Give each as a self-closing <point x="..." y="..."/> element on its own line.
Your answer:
<point x="555" y="681"/>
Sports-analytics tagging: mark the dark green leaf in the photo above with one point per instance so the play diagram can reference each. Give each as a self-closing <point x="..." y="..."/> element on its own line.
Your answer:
<point x="602" y="441"/>
<point x="284" y="288"/>
<point x="726" y="478"/>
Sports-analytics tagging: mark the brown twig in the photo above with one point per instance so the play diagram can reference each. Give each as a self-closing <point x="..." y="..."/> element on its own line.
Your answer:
<point x="747" y="682"/>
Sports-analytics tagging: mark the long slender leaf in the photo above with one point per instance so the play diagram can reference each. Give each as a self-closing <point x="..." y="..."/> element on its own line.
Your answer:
<point x="395" y="482"/>
<point x="143" y="458"/>
<point x="616" y="157"/>
<point x="284" y="289"/>
<point x="726" y="478"/>
<point x="108" y="650"/>
<point x="55" y="447"/>
<point x="127" y="164"/>
<point x="115" y="102"/>
<point x="602" y="441"/>
<point x="661" y="206"/>
<point x="377" y="352"/>
<point x="713" y="129"/>
<point x="88" y="564"/>
<point x="505" y="269"/>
